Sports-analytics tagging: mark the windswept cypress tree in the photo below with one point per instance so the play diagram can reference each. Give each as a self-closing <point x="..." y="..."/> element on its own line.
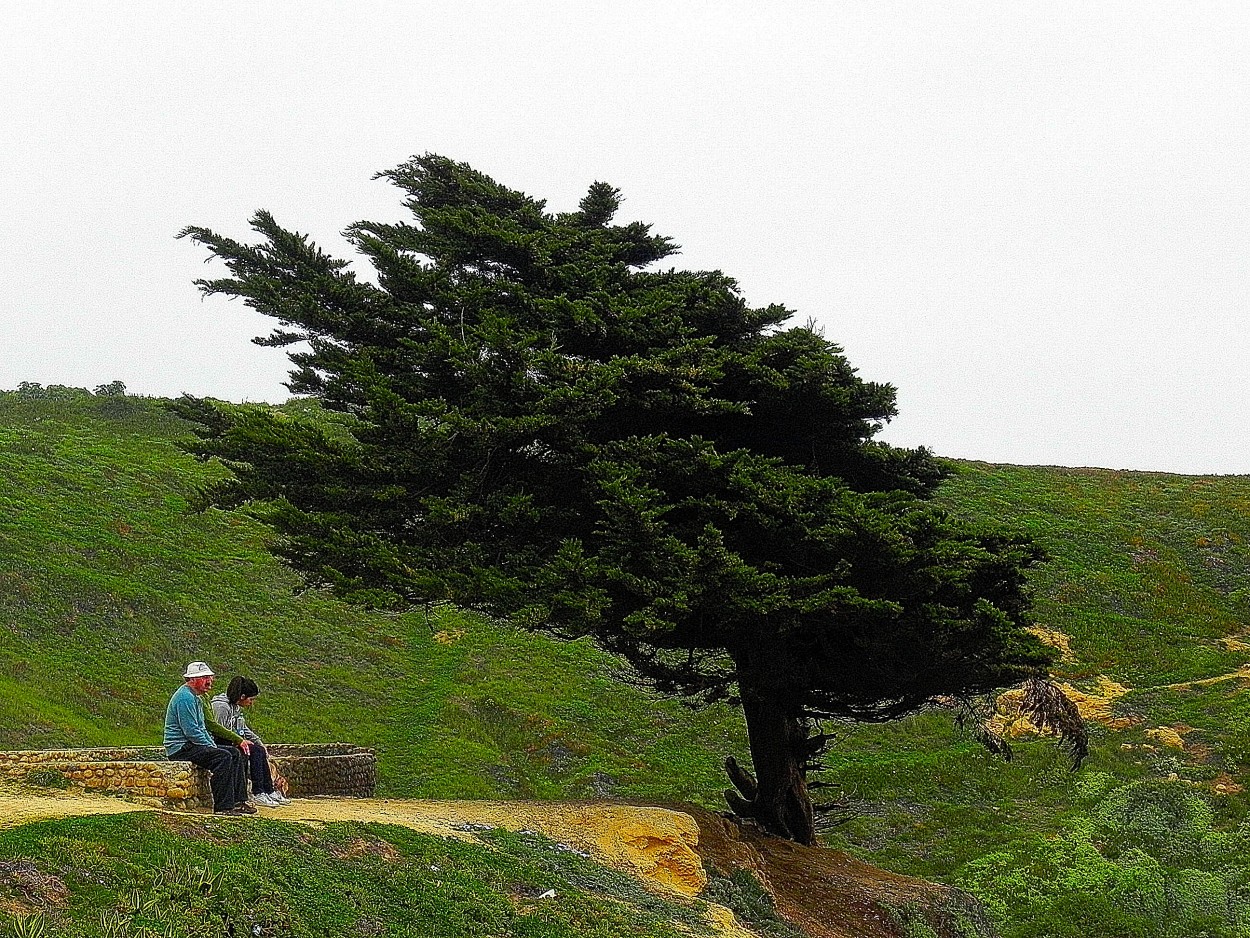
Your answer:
<point x="538" y="423"/>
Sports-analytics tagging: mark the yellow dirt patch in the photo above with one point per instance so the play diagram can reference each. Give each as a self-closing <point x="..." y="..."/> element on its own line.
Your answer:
<point x="1055" y="639"/>
<point x="1007" y="719"/>
<point x="1234" y="644"/>
<point x="18" y="807"/>
<point x="1096" y="705"/>
<point x="1242" y="673"/>
<point x="655" y="844"/>
<point x="1224" y="784"/>
<point x="722" y="919"/>
<point x="1168" y="736"/>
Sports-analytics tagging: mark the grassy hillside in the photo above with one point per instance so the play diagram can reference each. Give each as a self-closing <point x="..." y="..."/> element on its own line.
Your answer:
<point x="1148" y="581"/>
<point x="108" y="584"/>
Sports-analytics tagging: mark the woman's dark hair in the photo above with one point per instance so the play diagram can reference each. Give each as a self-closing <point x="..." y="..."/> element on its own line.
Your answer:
<point x="241" y="686"/>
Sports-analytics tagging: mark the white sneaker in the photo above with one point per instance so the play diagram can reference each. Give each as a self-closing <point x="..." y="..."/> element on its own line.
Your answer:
<point x="279" y="797"/>
<point x="265" y="801"/>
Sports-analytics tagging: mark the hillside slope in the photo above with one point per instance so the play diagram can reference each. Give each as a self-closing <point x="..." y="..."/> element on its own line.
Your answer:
<point x="108" y="583"/>
<point x="1146" y="591"/>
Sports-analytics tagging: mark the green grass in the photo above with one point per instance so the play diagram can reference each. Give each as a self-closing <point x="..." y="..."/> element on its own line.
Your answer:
<point x="109" y="583"/>
<point x="192" y="877"/>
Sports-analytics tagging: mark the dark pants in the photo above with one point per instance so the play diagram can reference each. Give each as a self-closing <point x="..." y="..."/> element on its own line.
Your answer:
<point x="258" y="764"/>
<point x="228" y="777"/>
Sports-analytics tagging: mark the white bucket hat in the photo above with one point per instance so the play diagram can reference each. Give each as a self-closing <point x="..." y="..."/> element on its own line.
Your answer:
<point x="198" y="669"/>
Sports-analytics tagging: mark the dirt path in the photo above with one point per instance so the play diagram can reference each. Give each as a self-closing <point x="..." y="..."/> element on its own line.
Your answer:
<point x="21" y="807"/>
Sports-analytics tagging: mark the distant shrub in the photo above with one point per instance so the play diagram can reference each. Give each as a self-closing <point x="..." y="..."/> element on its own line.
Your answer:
<point x="741" y="892"/>
<point x="1165" y="819"/>
<point x="33" y="391"/>
<point x="46" y="778"/>
<point x="1092" y="784"/>
<point x="1145" y="862"/>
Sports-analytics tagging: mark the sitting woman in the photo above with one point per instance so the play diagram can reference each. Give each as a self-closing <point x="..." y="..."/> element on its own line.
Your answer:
<point x="228" y="708"/>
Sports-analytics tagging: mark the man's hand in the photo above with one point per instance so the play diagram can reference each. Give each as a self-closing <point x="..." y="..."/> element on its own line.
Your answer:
<point x="245" y="746"/>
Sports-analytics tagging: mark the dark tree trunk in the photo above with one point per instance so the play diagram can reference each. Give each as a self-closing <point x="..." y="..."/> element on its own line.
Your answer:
<point x="776" y="796"/>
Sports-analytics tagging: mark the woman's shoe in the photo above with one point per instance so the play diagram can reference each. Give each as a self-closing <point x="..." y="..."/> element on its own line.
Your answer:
<point x="280" y="798"/>
<point x="265" y="800"/>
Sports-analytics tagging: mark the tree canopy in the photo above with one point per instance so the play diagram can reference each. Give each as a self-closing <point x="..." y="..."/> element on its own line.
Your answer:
<point x="536" y="420"/>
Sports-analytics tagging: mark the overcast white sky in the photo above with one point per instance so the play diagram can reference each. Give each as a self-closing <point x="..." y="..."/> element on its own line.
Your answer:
<point x="1031" y="217"/>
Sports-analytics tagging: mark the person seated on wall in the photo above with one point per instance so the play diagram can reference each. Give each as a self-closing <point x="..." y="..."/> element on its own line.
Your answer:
<point x="228" y="709"/>
<point x="228" y="739"/>
<point x="187" y="737"/>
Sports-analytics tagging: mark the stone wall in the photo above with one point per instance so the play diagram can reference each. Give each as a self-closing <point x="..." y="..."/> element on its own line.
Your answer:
<point x="142" y="774"/>
<point x="327" y="769"/>
<point x="145" y="774"/>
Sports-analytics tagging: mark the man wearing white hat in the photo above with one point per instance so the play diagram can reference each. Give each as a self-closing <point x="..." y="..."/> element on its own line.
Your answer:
<point x="187" y="737"/>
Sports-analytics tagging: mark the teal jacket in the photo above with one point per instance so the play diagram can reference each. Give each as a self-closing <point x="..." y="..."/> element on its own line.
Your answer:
<point x="190" y="719"/>
<point x="184" y="722"/>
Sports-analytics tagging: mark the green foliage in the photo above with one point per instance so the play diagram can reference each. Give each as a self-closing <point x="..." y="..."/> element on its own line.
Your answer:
<point x="1145" y="580"/>
<point x="1147" y="862"/>
<point x="28" y="925"/>
<point x="45" y="778"/>
<point x="1163" y="819"/>
<point x="750" y="902"/>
